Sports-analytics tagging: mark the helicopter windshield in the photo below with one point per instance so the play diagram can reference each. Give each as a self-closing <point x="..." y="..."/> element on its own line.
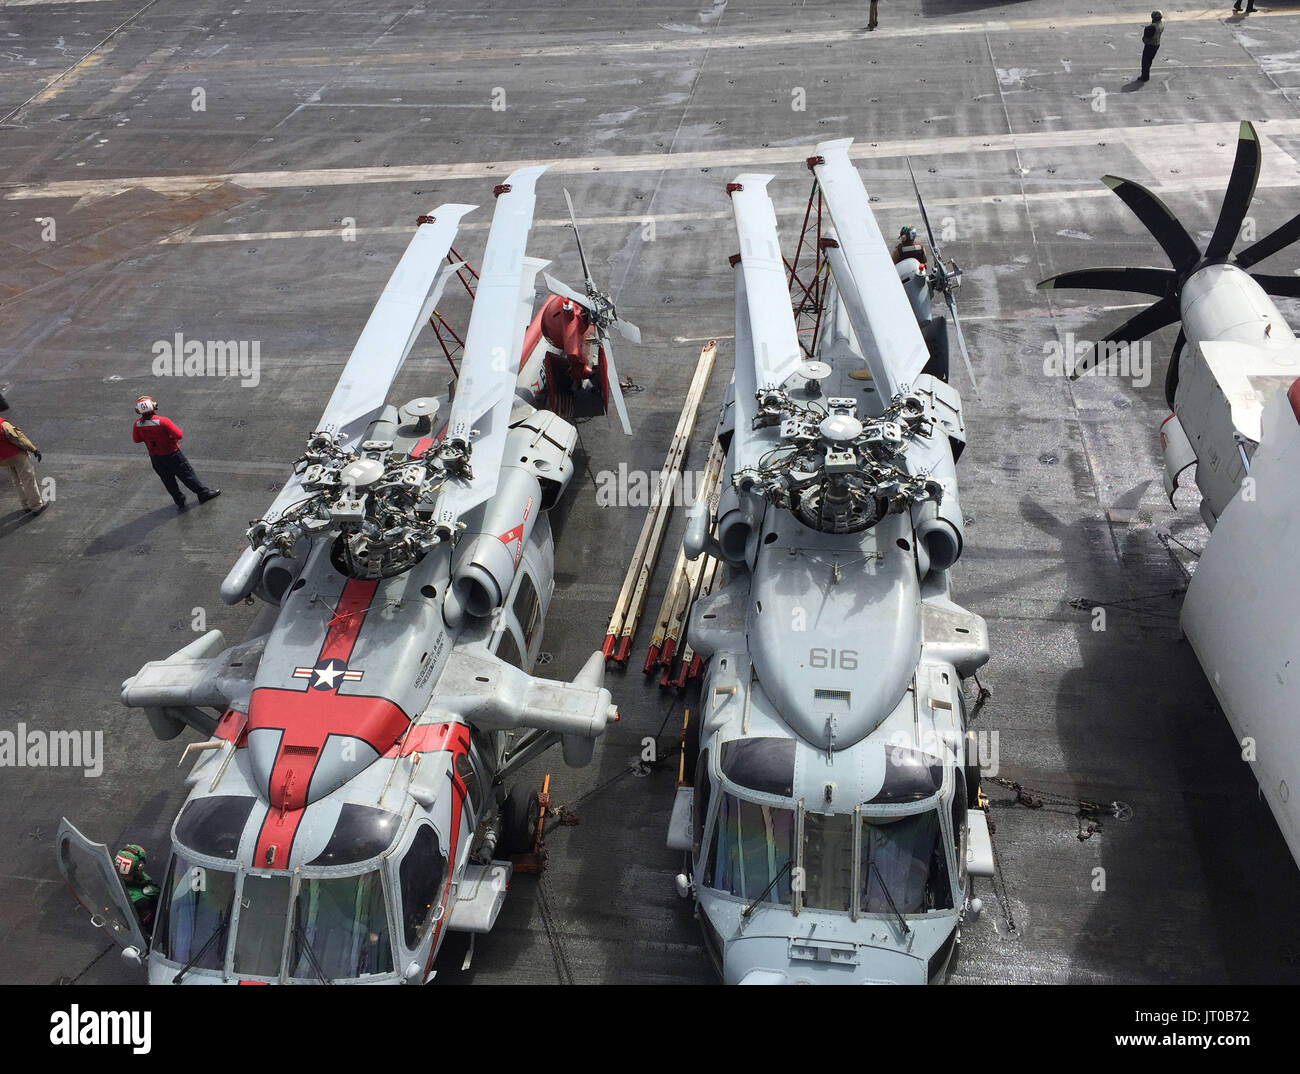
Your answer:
<point x="904" y="859"/>
<point x="259" y="939"/>
<point x="340" y="928"/>
<point x="196" y="902"/>
<point x="754" y="844"/>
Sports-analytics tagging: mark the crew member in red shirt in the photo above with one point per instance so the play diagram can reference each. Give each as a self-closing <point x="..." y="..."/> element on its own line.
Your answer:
<point x="162" y="438"/>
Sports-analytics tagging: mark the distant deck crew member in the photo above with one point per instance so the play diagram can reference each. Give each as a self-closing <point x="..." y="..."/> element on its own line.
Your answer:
<point x="1151" y="34"/>
<point x="16" y="454"/>
<point x="909" y="246"/>
<point x="162" y="438"/>
<point x="140" y="888"/>
<point x="872" y="21"/>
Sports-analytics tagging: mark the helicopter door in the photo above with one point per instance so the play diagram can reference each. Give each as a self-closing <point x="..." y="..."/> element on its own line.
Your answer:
<point x="87" y="869"/>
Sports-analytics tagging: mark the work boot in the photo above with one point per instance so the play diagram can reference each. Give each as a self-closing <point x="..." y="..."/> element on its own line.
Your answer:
<point x="38" y="508"/>
<point x="181" y="504"/>
<point x="210" y="494"/>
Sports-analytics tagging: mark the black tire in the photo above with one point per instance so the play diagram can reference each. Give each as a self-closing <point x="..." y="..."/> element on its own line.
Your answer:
<point x="518" y="823"/>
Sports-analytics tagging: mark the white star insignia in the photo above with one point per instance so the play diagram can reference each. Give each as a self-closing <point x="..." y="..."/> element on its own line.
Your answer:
<point x="325" y="676"/>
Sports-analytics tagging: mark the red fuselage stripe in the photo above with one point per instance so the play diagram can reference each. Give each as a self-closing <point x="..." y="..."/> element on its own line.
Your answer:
<point x="307" y="719"/>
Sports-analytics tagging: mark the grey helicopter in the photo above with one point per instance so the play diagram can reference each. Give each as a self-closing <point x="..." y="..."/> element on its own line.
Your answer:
<point x="347" y="807"/>
<point x="829" y="816"/>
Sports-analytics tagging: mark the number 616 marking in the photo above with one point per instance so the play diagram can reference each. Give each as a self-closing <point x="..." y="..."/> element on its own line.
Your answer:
<point x="844" y="659"/>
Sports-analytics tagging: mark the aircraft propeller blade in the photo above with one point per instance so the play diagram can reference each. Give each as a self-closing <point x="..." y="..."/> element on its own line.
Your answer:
<point x="892" y="345"/>
<point x="1145" y="281"/>
<point x="485" y="390"/>
<point x="615" y="388"/>
<point x="391" y="330"/>
<point x="777" y="354"/>
<point x="1282" y="286"/>
<point x="1154" y="317"/>
<point x="1172" y="370"/>
<point x="961" y="342"/>
<point x="1178" y="246"/>
<point x="1237" y="198"/>
<point x="1275" y="240"/>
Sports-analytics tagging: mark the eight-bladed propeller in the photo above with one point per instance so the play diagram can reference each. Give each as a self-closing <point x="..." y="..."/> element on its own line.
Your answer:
<point x="1166" y="285"/>
<point x="603" y="315"/>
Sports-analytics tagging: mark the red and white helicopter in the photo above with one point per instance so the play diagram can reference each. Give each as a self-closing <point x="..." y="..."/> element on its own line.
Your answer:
<point x="347" y="809"/>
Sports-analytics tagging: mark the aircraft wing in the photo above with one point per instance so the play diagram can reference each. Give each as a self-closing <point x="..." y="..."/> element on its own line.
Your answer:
<point x="776" y="353"/>
<point x="485" y="390"/>
<point x="402" y="310"/>
<point x="874" y="297"/>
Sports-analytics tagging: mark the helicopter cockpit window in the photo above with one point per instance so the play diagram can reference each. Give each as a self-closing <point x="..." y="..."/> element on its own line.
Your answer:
<point x="361" y="832"/>
<point x="213" y="826"/>
<point x="754" y="844"/>
<point x="197" y="902"/>
<point x="421" y="875"/>
<point x="905" y="860"/>
<point x="259" y="935"/>
<point x="526" y="608"/>
<point x="761" y="764"/>
<point x="827" y="861"/>
<point x="339" y="929"/>
<point x="910" y="776"/>
<point x="507" y="649"/>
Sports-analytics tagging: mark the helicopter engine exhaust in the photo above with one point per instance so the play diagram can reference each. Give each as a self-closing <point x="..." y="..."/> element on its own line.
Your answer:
<point x="938" y="524"/>
<point x="487" y="559"/>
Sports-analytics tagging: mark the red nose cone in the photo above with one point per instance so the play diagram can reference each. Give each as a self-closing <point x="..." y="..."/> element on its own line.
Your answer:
<point x="1293" y="396"/>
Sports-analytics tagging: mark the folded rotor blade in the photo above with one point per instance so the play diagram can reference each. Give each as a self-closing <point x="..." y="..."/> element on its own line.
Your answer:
<point x="1154" y="317"/>
<point x="1237" y="198"/>
<point x="386" y="340"/>
<point x="485" y="391"/>
<point x="1178" y="246"/>
<point x="528" y="299"/>
<point x="615" y="389"/>
<point x="744" y="450"/>
<point x="892" y="345"/>
<point x="1278" y="239"/>
<point x="887" y="384"/>
<point x="1144" y="281"/>
<point x="771" y="314"/>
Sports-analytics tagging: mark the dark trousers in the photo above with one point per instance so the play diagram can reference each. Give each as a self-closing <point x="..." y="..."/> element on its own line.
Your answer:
<point x="1148" y="54"/>
<point x="176" y="466"/>
<point x="871" y="16"/>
